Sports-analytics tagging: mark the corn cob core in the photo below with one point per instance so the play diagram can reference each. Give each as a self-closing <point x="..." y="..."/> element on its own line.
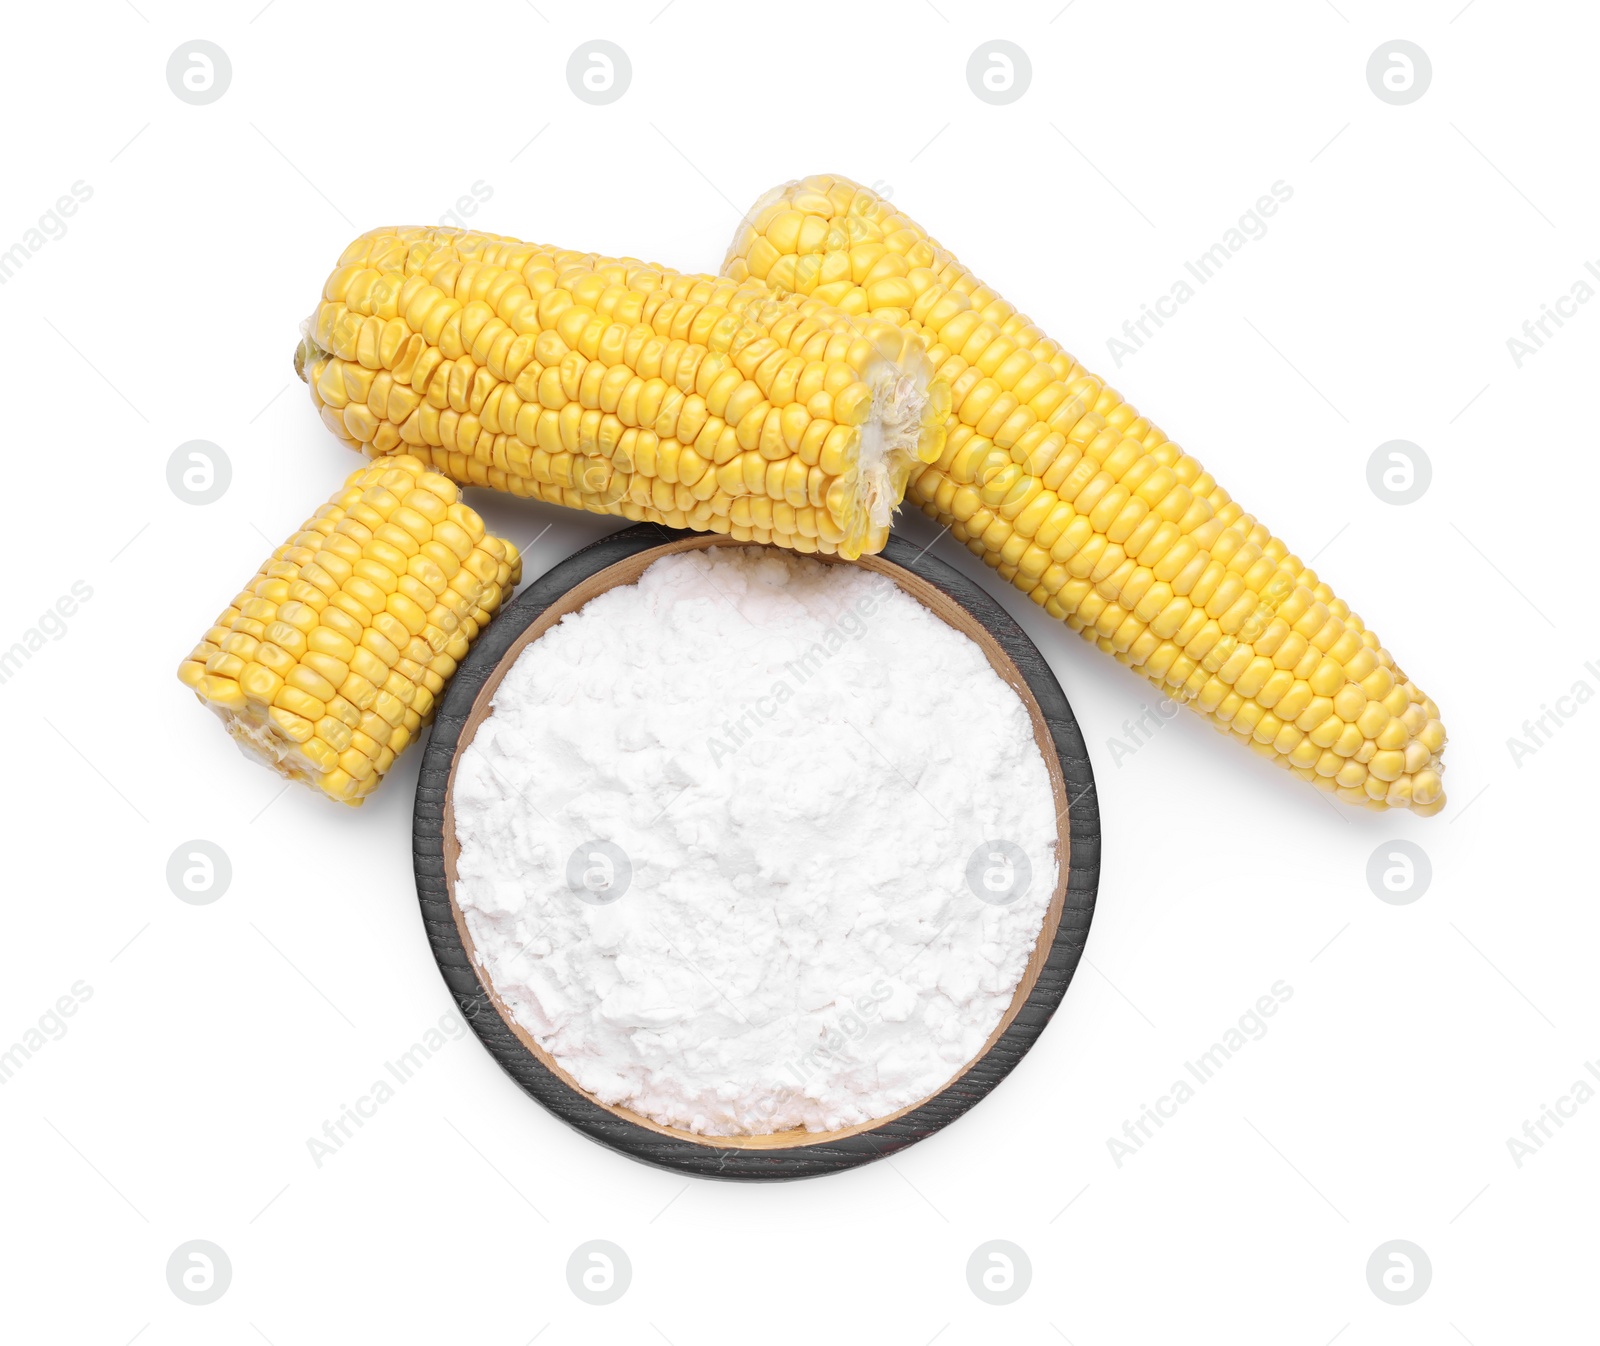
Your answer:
<point x="1089" y="509"/>
<point x="623" y="388"/>
<point x="328" y="663"/>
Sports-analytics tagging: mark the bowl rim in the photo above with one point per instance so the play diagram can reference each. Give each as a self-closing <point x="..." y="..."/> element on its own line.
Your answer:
<point x="466" y="702"/>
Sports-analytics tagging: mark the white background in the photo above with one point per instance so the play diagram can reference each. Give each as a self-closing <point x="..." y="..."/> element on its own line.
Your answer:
<point x="219" y="1038"/>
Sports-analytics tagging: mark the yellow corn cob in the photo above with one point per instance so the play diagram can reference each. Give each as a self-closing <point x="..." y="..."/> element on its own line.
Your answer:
<point x="328" y="663"/>
<point x="1085" y="506"/>
<point x="622" y="388"/>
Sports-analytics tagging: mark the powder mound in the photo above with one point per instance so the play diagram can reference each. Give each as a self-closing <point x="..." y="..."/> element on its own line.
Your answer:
<point x="755" y="843"/>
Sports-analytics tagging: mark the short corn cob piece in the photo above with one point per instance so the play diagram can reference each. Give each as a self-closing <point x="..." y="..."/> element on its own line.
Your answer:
<point x="622" y="388"/>
<point x="329" y="662"/>
<point x="1088" y="508"/>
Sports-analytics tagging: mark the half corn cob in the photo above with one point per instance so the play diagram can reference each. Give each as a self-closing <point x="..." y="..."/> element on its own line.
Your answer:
<point x="622" y="388"/>
<point x="328" y="663"/>
<point x="1088" y="508"/>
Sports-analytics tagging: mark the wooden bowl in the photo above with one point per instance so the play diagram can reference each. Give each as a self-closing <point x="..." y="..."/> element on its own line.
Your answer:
<point x="620" y="559"/>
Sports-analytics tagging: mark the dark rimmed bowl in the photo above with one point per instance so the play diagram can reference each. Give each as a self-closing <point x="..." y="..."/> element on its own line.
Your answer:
<point x="620" y="559"/>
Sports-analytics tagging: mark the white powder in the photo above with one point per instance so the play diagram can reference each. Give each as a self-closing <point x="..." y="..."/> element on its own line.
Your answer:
<point x="716" y="839"/>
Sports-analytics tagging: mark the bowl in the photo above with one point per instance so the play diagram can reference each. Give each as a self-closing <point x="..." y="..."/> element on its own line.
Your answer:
<point x="466" y="703"/>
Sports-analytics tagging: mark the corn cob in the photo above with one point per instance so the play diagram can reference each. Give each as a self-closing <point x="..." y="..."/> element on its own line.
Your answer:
<point x="1088" y="508"/>
<point x="328" y="663"/>
<point x="622" y="388"/>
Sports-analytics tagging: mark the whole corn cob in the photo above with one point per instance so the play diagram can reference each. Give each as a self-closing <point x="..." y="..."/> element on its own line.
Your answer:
<point x="328" y="662"/>
<point x="622" y="388"/>
<point x="1088" y="508"/>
